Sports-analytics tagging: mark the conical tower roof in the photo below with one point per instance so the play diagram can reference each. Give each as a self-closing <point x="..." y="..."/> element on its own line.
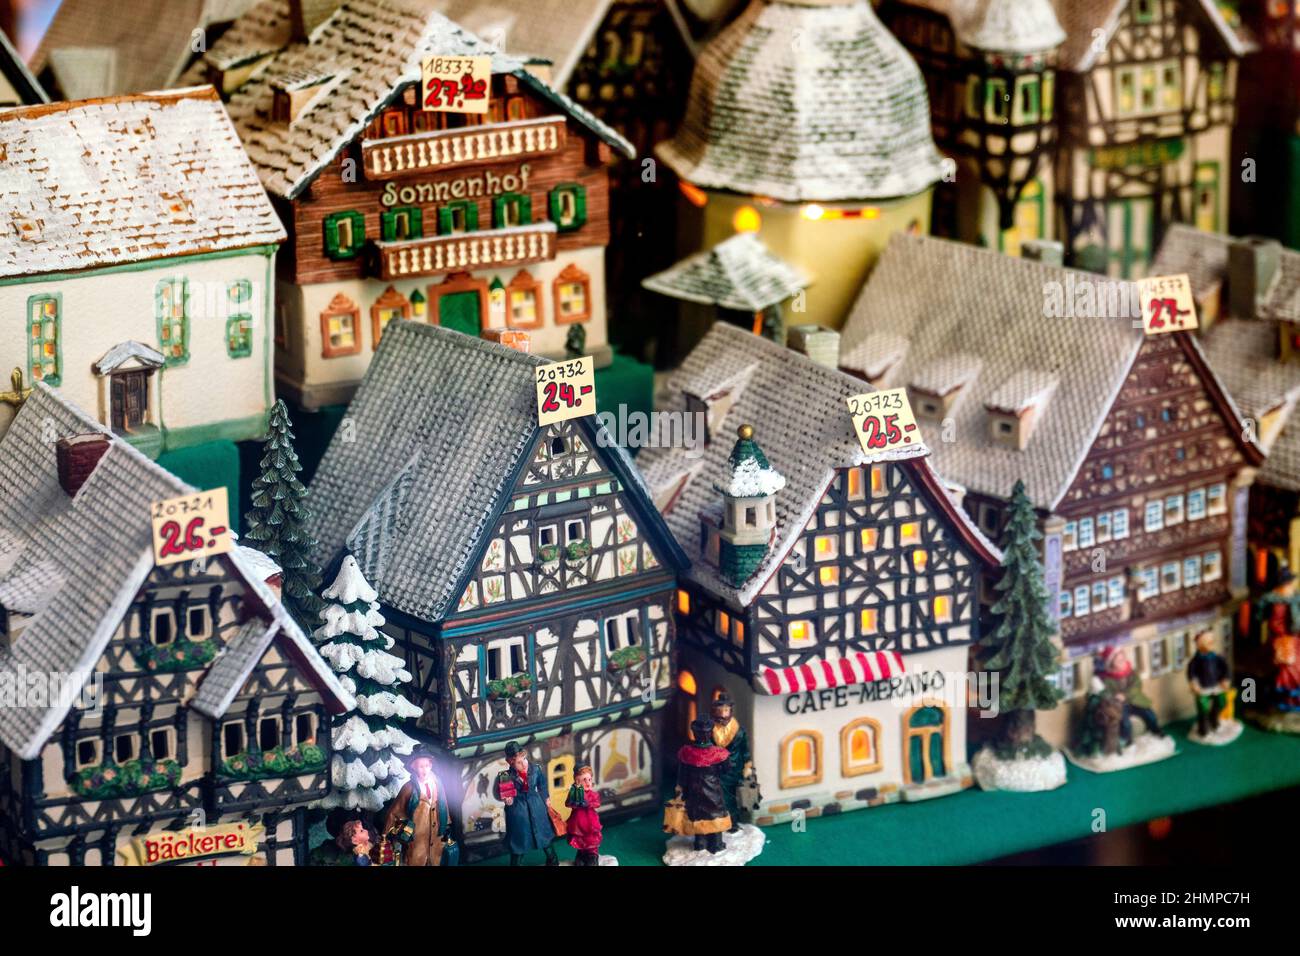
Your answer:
<point x="749" y="474"/>
<point x="1010" y="26"/>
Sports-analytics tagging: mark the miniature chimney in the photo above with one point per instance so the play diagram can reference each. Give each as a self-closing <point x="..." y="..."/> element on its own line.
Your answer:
<point x="1047" y="251"/>
<point x="77" y="457"/>
<point x="1252" y="265"/>
<point x="819" y="343"/>
<point x="306" y="15"/>
<point x="748" y="508"/>
<point x="515" y="339"/>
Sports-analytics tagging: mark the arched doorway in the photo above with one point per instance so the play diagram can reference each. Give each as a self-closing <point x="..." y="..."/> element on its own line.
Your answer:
<point x="925" y="743"/>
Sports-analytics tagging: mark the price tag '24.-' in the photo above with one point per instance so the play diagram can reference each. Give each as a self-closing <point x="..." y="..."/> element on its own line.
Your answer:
<point x="884" y="421"/>
<point x="566" y="390"/>
<point x="191" y="526"/>
<point x="1167" y="304"/>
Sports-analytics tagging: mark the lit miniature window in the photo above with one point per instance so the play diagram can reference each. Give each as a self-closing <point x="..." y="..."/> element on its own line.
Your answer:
<point x="43" y="339"/>
<point x="523" y="308"/>
<point x="867" y="620"/>
<point x="683" y="602"/>
<point x="1085" y="533"/>
<point x="1191" y="572"/>
<point x="686" y="683"/>
<point x="722" y="624"/>
<point x="868" y="538"/>
<point x="1115" y="587"/>
<point x="800" y="759"/>
<point x="1120" y="523"/>
<point x="738" y="633"/>
<point x="800" y="633"/>
<point x="572" y="296"/>
<point x="1212" y="567"/>
<point x="171" y="306"/>
<point x="997" y="107"/>
<point x="1070" y="536"/>
<point x="1147" y="93"/>
<point x="1171" y="86"/>
<point x="1158" y="655"/>
<point x="88" y="754"/>
<point x="829" y="575"/>
<point x="909" y="532"/>
<point x="859" y="745"/>
<point x="1216" y="499"/>
<point x="826" y="547"/>
<point x="1144" y="11"/>
<point x="304" y="729"/>
<point x="1173" y="510"/>
<point x="1155" y="516"/>
<point x="942" y="609"/>
<point x="920" y="558"/>
<point x="1196" y="504"/>
<point x="879" y="481"/>
<point x="853" y="484"/>
<point x="342" y="333"/>
<point x="1081" y="606"/>
<point x="1125" y="91"/>
<point x="1103" y="527"/>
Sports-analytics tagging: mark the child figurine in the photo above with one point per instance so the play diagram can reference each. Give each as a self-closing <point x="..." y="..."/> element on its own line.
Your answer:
<point x="1105" y="740"/>
<point x="1207" y="673"/>
<point x="356" y="840"/>
<point x="583" y="825"/>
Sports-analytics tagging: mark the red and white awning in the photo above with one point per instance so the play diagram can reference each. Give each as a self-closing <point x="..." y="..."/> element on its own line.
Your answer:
<point x="856" y="668"/>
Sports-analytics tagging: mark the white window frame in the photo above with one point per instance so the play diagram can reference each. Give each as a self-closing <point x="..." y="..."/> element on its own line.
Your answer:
<point x="1120" y="523"/>
<point x="1070" y="536"/>
<point x="1086" y="536"/>
<point x="206" y="632"/>
<point x="1115" y="591"/>
<point x="1171" y="576"/>
<point x="569" y="536"/>
<point x="1216" y="499"/>
<point x="1103" y="527"/>
<point x="1100" y="596"/>
<point x="1191" y="572"/>
<point x="1082" y="601"/>
<point x="624" y="630"/>
<point x="1196" y="504"/>
<point x="1153" y="516"/>
<point x="154" y="615"/>
<point x="554" y="531"/>
<point x="1150" y="583"/>
<point x="1065" y="604"/>
<point x="499" y="650"/>
<point x="1173" y="510"/>
<point x="1211" y="559"/>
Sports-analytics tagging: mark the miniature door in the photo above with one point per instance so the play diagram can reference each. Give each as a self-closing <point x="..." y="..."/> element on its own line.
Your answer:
<point x="559" y="774"/>
<point x="925" y="743"/>
<point x="460" y="311"/>
<point x="129" y="393"/>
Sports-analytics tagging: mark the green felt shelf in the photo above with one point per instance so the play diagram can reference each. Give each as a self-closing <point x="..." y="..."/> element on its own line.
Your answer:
<point x="208" y="465"/>
<point x="974" y="826"/>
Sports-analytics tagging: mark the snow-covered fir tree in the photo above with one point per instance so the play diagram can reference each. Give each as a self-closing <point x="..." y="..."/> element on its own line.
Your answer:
<point x="366" y="768"/>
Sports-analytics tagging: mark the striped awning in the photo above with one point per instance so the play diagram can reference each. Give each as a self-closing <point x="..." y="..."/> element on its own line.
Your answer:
<point x="856" y="668"/>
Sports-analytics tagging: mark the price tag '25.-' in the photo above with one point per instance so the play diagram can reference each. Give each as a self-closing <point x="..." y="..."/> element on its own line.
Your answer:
<point x="191" y="526"/>
<point x="884" y="421"/>
<point x="566" y="390"/>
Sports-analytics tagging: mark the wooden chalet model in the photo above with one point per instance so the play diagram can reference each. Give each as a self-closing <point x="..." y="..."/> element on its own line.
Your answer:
<point x="523" y="571"/>
<point x="17" y="85"/>
<point x="469" y="221"/>
<point x="833" y="596"/>
<point x="990" y="67"/>
<point x="1129" y="446"/>
<point x="1251" y="288"/>
<point x="1146" y="95"/>
<point x="140" y="255"/>
<point x="181" y="722"/>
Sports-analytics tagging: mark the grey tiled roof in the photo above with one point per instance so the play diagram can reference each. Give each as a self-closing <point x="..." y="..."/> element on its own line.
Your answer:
<point x="1081" y="18"/>
<point x="738" y="273"/>
<point x="1010" y="26"/>
<point x="97" y="546"/>
<point x="993" y="307"/>
<point x="1204" y="257"/>
<point x="801" y="422"/>
<point x="371" y="47"/>
<point x="1244" y="353"/>
<point x="806" y="103"/>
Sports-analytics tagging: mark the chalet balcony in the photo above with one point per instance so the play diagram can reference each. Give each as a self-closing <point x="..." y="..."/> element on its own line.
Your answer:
<point x="466" y="251"/>
<point x="442" y="149"/>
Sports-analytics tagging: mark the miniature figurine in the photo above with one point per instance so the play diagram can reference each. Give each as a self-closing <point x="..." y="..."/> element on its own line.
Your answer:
<point x="728" y="733"/>
<point x="352" y="842"/>
<point x="701" y="789"/>
<point x="417" y="818"/>
<point x="1207" y="673"/>
<point x="529" y="823"/>
<point x="1105" y="739"/>
<point x="357" y="841"/>
<point x="583" y="825"/>
<point x="1285" y="644"/>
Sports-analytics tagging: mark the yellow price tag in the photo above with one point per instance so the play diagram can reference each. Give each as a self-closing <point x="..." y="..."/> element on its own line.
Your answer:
<point x="456" y="84"/>
<point x="566" y="390"/>
<point x="191" y="526"/>
<point x="1167" y="304"/>
<point x="884" y="421"/>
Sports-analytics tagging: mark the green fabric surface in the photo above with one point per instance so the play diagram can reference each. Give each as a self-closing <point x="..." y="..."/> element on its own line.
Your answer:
<point x="208" y="465"/>
<point x="975" y="826"/>
<point x="625" y="381"/>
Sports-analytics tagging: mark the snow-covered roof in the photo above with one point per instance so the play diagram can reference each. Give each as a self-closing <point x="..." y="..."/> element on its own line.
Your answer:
<point x="145" y="356"/>
<point x="738" y="273"/>
<point x="749" y="474"/>
<point x="1010" y="26"/>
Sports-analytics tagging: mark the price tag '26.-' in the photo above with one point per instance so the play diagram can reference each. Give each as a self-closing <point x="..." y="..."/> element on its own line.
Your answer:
<point x="456" y="84"/>
<point x="1167" y="304"/>
<point x="191" y="526"/>
<point x="566" y="390"/>
<point x="884" y="421"/>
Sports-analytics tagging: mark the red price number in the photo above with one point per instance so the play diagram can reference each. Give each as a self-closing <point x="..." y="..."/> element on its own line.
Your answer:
<point x="192" y="538"/>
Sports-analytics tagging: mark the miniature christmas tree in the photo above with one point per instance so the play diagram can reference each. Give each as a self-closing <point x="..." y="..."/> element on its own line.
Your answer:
<point x="369" y="741"/>
<point x="275" y="522"/>
<point x="1022" y="652"/>
<point x="575" y="343"/>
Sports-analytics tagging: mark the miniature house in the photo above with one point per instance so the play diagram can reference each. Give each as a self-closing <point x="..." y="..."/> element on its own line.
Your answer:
<point x="523" y="571"/>
<point x="1130" y="448"/>
<point x="1254" y="346"/>
<point x="186" y="723"/>
<point x="471" y="221"/>
<point x="823" y="177"/>
<point x="990" y="66"/>
<point x="831" y="595"/>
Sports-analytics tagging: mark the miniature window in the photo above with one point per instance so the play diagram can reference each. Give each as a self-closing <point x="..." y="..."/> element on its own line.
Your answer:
<point x="909" y="532"/>
<point x="1125" y="91"/>
<point x="1049" y="95"/>
<point x="162" y="626"/>
<point x="750" y="518"/>
<point x="1081" y="605"/>
<point x="1179" y="642"/>
<point x="1155" y="516"/>
<point x="506" y="657"/>
<point x="557" y="446"/>
<point x="623" y="631"/>
<point x="239" y="336"/>
<point x="1085" y="533"/>
<point x="1216" y="499"/>
<point x="1026" y="110"/>
<point x="1103" y="527"/>
<point x="826" y="547"/>
<point x="920" y="560"/>
<point x="268" y="733"/>
<point x="1067" y="680"/>
<point x="232" y="738"/>
<point x="171" y="305"/>
<point x="1171" y="86"/>
<point x="1115" y="587"/>
<point x="1173" y="510"/>
<point x="828" y="575"/>
<point x="572" y="295"/>
<point x="722" y="623"/>
<point x="868" y="620"/>
<point x="1144" y="11"/>
<point x="1065" y="604"/>
<point x="1157" y="655"/>
<point x="973" y="87"/>
<point x="1120" y="523"/>
<point x="304" y="729"/>
<point x="389" y="307"/>
<point x="402" y="222"/>
<point x="524" y="301"/>
<point x="241" y="290"/>
<point x="1099" y="596"/>
<point x="879" y="481"/>
<point x="1147" y="89"/>
<point x="1191" y="572"/>
<point x="568" y="202"/>
<point x="458" y="216"/>
<point x="198" y="623"/>
<point x="1216" y="85"/>
<point x="125" y="747"/>
<point x="997" y="106"/>
<point x="1212" y="567"/>
<point x="340" y="327"/>
<point x="1070" y="536"/>
<point x="546" y="536"/>
<point x="853" y="487"/>
<point x="345" y="234"/>
<point x="574" y="530"/>
<point x="1196" y="504"/>
<point x="801" y="758"/>
<point x="683" y="602"/>
<point x="511" y="209"/>
<point x="989" y="519"/>
<point x="868" y="537"/>
<point x="942" y="609"/>
<point x="161" y="746"/>
<point x="44" y="337"/>
<point x="88" y="753"/>
<point x="860" y="747"/>
<point x="1148" y="583"/>
<point x="800" y="633"/>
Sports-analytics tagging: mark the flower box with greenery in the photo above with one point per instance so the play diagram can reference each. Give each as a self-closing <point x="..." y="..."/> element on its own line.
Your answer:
<point x="548" y="553"/>
<point x="276" y="762"/>
<point x="625" y="658"/>
<point x="508" y="687"/>
<point x="181" y="654"/>
<point x="575" y="552"/>
<point x="127" y="779"/>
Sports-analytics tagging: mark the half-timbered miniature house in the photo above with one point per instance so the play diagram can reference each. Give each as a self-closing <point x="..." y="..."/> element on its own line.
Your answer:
<point x="17" y="85"/>
<point x="991" y="73"/>
<point x="180" y="706"/>
<point x="523" y="571"/>
<point x="140" y="255"/>
<point x="471" y="221"/>
<point x="1253" y="286"/>
<point x="1146" y="95"/>
<point x="832" y="595"/>
<point x="808" y="124"/>
<point x="1130" y="448"/>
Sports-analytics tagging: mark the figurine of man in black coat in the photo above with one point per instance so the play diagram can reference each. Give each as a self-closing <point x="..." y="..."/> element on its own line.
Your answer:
<point x="702" y="765"/>
<point x="1207" y="672"/>
<point x="528" y="822"/>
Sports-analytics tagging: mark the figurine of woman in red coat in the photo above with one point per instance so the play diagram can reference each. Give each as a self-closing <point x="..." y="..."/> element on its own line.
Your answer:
<point x="583" y="826"/>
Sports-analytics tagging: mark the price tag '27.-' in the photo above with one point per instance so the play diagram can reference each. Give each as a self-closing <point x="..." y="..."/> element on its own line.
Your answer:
<point x="566" y="390"/>
<point x="191" y="526"/>
<point x="884" y="421"/>
<point x="1167" y="304"/>
<point x="456" y="84"/>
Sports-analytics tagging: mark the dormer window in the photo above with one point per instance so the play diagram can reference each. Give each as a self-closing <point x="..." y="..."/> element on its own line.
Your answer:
<point x="934" y="389"/>
<point x="12" y="624"/>
<point x="875" y="356"/>
<point x="1016" y="407"/>
<point x="293" y="93"/>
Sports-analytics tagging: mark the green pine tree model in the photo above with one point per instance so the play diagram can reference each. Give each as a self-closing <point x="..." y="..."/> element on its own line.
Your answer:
<point x="1021" y="650"/>
<point x="275" y="522"/>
